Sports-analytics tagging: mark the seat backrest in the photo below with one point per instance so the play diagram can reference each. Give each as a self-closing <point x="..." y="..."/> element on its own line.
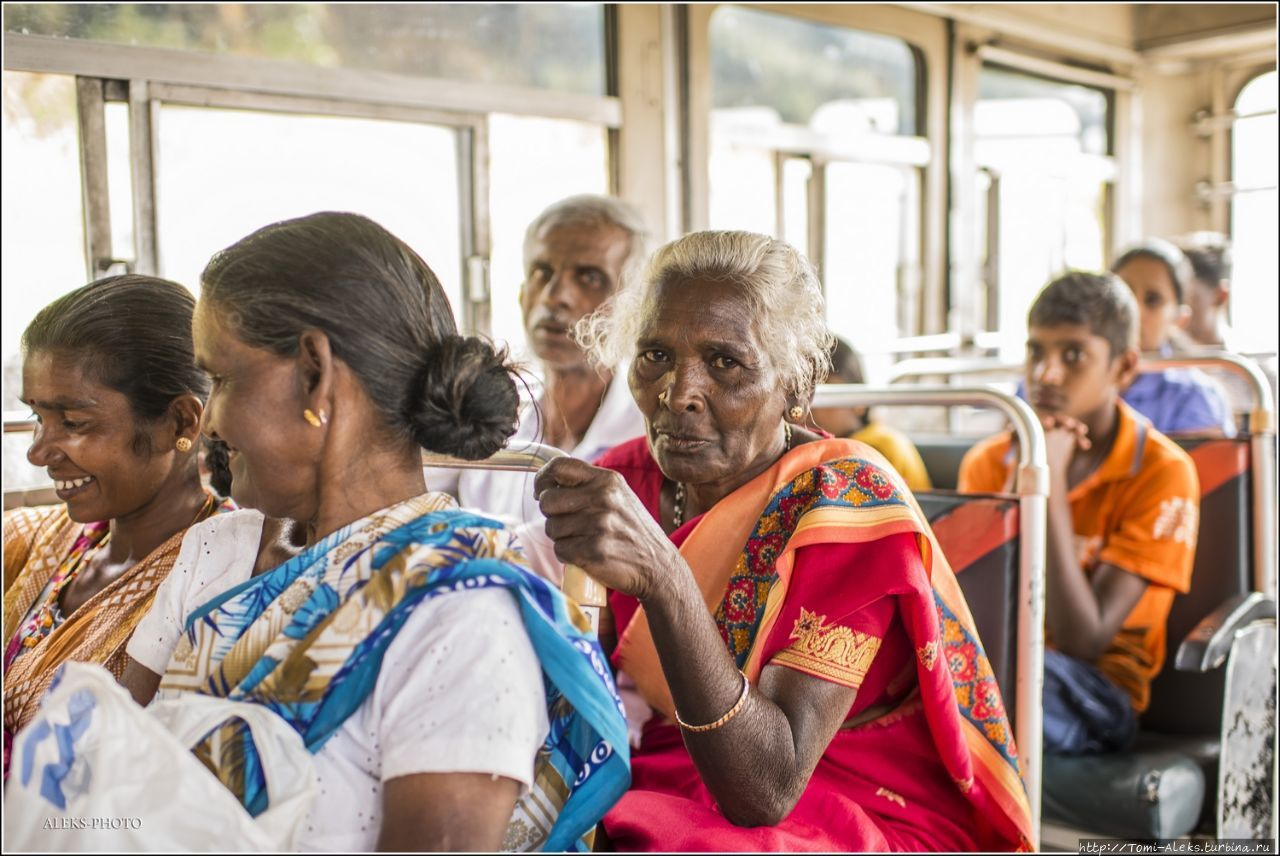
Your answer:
<point x="978" y="534"/>
<point x="942" y="457"/>
<point x="1187" y="702"/>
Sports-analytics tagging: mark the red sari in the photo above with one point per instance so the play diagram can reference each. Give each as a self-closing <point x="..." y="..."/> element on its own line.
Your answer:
<point x="825" y="564"/>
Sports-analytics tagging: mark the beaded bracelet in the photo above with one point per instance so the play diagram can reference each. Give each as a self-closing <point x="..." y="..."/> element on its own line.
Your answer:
<point x="733" y="711"/>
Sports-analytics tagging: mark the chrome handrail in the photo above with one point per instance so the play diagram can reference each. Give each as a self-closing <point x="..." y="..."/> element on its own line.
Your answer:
<point x="950" y="366"/>
<point x="1032" y="487"/>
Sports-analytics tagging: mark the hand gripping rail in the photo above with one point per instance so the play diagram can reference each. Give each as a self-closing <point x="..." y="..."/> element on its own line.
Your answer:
<point x="577" y="586"/>
<point x="1032" y="487"/>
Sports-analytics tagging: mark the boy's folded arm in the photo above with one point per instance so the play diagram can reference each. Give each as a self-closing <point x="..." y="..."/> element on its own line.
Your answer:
<point x="1083" y="615"/>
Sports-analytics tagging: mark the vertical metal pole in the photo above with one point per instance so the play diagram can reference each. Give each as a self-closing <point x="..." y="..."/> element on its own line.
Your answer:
<point x="1263" y="482"/>
<point x="91" y="113"/>
<point x="1029" y="685"/>
<point x="142" y="175"/>
<point x="473" y="191"/>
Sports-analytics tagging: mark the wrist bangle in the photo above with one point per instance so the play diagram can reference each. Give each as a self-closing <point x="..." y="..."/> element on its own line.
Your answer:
<point x="733" y="711"/>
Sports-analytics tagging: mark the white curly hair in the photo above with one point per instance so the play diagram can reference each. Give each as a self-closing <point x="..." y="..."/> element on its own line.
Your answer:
<point x="778" y="283"/>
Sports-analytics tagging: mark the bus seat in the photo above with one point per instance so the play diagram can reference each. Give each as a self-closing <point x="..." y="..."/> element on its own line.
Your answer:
<point x="978" y="534"/>
<point x="1170" y="783"/>
<point x="942" y="456"/>
<point x="1189" y="703"/>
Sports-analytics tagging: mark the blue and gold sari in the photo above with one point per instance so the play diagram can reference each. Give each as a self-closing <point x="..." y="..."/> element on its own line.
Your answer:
<point x="307" y="638"/>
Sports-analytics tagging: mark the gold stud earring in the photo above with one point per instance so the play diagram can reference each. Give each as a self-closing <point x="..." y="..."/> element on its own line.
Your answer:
<point x="662" y="398"/>
<point x="314" y="420"/>
<point x="183" y="444"/>
<point x="795" y="413"/>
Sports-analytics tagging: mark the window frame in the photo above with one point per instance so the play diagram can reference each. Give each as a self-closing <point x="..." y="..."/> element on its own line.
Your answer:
<point x="926" y="36"/>
<point x="144" y="77"/>
<point x="975" y="295"/>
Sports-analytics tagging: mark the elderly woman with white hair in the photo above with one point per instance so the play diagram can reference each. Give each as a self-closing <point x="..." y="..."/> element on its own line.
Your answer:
<point x="813" y="672"/>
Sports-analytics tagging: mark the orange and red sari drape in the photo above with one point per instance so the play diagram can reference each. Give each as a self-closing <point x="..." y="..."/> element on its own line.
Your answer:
<point x="824" y="563"/>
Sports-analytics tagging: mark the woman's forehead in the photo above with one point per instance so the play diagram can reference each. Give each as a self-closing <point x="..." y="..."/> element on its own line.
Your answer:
<point x="701" y="310"/>
<point x="60" y="380"/>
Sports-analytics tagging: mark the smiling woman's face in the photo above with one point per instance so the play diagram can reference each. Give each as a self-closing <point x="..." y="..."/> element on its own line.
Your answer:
<point x="255" y="407"/>
<point x="712" y="399"/>
<point x="104" y="464"/>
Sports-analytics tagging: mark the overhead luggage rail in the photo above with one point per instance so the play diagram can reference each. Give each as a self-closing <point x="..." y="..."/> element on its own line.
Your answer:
<point x="1032" y="488"/>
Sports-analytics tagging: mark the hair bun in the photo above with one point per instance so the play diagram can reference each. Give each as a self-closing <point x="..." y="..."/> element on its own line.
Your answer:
<point x="464" y="400"/>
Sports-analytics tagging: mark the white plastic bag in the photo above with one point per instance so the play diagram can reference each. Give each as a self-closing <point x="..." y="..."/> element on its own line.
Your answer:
<point x="93" y="771"/>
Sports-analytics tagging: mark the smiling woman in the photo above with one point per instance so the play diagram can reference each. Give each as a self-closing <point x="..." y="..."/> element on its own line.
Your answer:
<point x="110" y="377"/>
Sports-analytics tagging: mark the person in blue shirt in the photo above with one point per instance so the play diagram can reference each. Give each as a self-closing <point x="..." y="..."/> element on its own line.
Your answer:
<point x="1177" y="401"/>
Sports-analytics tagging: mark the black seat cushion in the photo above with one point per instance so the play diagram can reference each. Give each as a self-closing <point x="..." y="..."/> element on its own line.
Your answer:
<point x="942" y="457"/>
<point x="1190" y="703"/>
<point x="1141" y="794"/>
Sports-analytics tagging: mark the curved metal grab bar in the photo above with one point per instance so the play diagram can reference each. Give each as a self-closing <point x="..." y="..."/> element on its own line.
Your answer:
<point x="1261" y="416"/>
<point x="590" y="595"/>
<point x="1032" y="463"/>
<point x="1262" y="434"/>
<point x="949" y="366"/>
<point x="1032" y="488"/>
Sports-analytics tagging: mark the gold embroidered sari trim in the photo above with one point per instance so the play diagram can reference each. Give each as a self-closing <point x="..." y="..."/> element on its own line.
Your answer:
<point x="839" y="654"/>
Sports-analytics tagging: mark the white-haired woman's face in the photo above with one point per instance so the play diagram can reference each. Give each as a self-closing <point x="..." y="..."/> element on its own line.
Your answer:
<point x="712" y="399"/>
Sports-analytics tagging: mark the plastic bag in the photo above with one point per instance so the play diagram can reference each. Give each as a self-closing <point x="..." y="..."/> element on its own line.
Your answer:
<point x="93" y="771"/>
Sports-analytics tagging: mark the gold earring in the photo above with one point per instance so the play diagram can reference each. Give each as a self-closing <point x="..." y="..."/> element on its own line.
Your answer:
<point x="795" y="413"/>
<point x="662" y="397"/>
<point x="314" y="420"/>
<point x="183" y="444"/>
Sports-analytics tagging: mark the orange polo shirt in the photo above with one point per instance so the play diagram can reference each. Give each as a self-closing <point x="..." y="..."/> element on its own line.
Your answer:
<point x="1139" y="511"/>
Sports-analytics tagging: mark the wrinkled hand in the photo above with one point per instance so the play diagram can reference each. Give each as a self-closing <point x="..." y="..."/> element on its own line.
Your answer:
<point x="598" y="524"/>
<point x="1063" y="435"/>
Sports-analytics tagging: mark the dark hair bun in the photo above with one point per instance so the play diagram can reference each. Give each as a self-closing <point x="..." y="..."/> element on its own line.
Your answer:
<point x="464" y="401"/>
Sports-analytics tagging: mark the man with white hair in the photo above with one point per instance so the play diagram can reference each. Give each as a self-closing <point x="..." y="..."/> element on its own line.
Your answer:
<point x="577" y="254"/>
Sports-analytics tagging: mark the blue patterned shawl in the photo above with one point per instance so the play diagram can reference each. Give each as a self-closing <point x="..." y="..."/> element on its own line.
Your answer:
<point x="307" y="640"/>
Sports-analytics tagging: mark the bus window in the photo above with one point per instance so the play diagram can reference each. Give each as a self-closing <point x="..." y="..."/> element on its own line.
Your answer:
<point x="794" y="204"/>
<point x="43" y="212"/>
<point x="1044" y="147"/>
<point x="482" y="43"/>
<point x="795" y="67"/>
<point x="216" y="181"/>
<point x="872" y="260"/>
<point x="815" y="138"/>
<point x="533" y="162"/>
<point x="1253" y="216"/>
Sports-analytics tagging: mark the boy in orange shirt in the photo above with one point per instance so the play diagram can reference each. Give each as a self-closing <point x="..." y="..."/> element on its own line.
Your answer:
<point x="1123" y="513"/>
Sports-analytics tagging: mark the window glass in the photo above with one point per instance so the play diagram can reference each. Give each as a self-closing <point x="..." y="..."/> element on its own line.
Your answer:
<point x="872" y="253"/>
<point x="216" y="182"/>
<point x="742" y="190"/>
<point x="810" y="73"/>
<point x="481" y="42"/>
<point x="1045" y="144"/>
<point x="1015" y="109"/>
<point x="44" y="254"/>
<point x="796" y="173"/>
<point x="533" y="162"/>
<point x="1253" y="216"/>
<point x="119" y="180"/>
